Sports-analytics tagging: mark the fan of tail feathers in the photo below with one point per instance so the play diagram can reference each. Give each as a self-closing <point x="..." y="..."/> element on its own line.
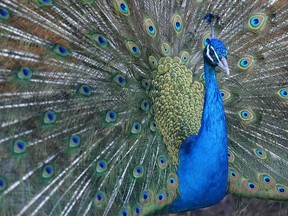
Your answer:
<point x="97" y="96"/>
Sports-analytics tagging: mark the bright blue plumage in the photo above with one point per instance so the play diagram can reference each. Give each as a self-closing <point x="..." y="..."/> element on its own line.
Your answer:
<point x="203" y="166"/>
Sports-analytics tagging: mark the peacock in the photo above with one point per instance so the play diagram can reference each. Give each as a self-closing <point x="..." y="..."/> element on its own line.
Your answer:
<point x="129" y="107"/>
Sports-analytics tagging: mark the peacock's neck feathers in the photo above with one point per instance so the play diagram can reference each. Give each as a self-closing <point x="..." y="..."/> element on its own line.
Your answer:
<point x="213" y="111"/>
<point x="202" y="186"/>
<point x="178" y="103"/>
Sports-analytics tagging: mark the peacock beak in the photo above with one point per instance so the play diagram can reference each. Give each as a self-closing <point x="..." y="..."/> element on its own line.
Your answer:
<point x="224" y="65"/>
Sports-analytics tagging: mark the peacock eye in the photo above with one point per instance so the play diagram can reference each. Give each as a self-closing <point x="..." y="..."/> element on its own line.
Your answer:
<point x="260" y="153"/>
<point x="4" y="14"/>
<point x="100" y="40"/>
<point x="24" y="73"/>
<point x="266" y="179"/>
<point x="123" y="8"/>
<point x="133" y="48"/>
<point x="281" y="189"/>
<point x="136" y="128"/>
<point x="145" y="197"/>
<point x="257" y="21"/>
<point x="153" y="61"/>
<point x="111" y="117"/>
<point x="74" y="141"/>
<point x="20" y="146"/>
<point x="283" y="93"/>
<point x="3" y="184"/>
<point x="100" y="199"/>
<point x="137" y="210"/>
<point x="247" y="115"/>
<point x="177" y="23"/>
<point x="165" y="48"/>
<point x="47" y="171"/>
<point x="150" y="27"/>
<point x="246" y="62"/>
<point x="251" y="185"/>
<point x="232" y="173"/>
<point x="185" y="56"/>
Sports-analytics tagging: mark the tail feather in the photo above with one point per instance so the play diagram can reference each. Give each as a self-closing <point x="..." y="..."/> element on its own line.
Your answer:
<point x="78" y="133"/>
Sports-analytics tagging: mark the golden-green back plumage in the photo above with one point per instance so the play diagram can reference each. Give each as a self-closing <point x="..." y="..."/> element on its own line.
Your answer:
<point x="96" y="98"/>
<point x="175" y="96"/>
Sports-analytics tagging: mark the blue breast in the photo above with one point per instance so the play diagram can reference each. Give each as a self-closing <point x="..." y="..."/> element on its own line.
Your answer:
<point x="203" y="159"/>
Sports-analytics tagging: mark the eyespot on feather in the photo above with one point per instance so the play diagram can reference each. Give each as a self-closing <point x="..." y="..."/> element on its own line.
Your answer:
<point x="246" y="62"/>
<point x="231" y="156"/>
<point x="153" y="126"/>
<point x="133" y="48"/>
<point x="153" y="61"/>
<point x="281" y="190"/>
<point x="162" y="162"/>
<point x="172" y="181"/>
<point x="185" y="56"/>
<point x="136" y="128"/>
<point x="24" y="73"/>
<point x="266" y="180"/>
<point x="257" y="21"/>
<point x="4" y="14"/>
<point x="225" y="94"/>
<point x="250" y="186"/>
<point x="3" y="184"/>
<point x="161" y="198"/>
<point x="202" y="77"/>
<point x="233" y="175"/>
<point x="101" y="166"/>
<point x="111" y="117"/>
<point x="165" y="49"/>
<point x="283" y="93"/>
<point x="145" y="105"/>
<point x="120" y="80"/>
<point x="100" y="199"/>
<point x="47" y="171"/>
<point x="247" y="115"/>
<point x="74" y="141"/>
<point x="99" y="39"/>
<point x="85" y="90"/>
<point x="150" y="27"/>
<point x="125" y="212"/>
<point x="145" y="197"/>
<point x="177" y="23"/>
<point x="61" y="50"/>
<point x="260" y="153"/>
<point x="146" y="83"/>
<point x="122" y="7"/>
<point x="49" y="117"/>
<point x="138" y="171"/>
<point x="205" y="39"/>
<point x="137" y="210"/>
<point x="20" y="146"/>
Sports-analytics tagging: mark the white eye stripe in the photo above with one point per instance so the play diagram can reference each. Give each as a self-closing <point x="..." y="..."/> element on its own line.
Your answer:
<point x="216" y="54"/>
<point x="208" y="53"/>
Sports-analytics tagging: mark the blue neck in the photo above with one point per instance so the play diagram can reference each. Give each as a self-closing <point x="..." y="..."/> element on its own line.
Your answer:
<point x="203" y="160"/>
<point x="213" y="117"/>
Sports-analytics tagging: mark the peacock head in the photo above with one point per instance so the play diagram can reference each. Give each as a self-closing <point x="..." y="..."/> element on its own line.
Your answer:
<point x="215" y="54"/>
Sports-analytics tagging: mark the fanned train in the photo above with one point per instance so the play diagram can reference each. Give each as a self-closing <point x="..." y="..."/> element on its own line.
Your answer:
<point x="130" y="108"/>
